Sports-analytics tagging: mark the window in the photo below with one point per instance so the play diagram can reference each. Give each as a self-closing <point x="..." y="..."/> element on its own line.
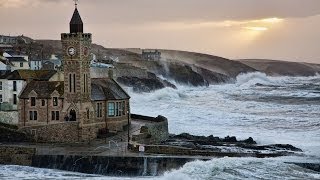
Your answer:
<point x="84" y="82"/>
<point x="55" y="115"/>
<point x="14" y="99"/>
<point x="70" y="83"/>
<point x="43" y="102"/>
<point x="88" y="114"/>
<point x="14" y="85"/>
<point x="21" y="64"/>
<point x="55" y="101"/>
<point x="117" y="109"/>
<point x="1" y="100"/>
<point x="123" y="108"/>
<point x="74" y="83"/>
<point x="33" y="101"/>
<point x="33" y="115"/>
<point x="99" y="110"/>
<point x="111" y="109"/>
<point x="0" y="85"/>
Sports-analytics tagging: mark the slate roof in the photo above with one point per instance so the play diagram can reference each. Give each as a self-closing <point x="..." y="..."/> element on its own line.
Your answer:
<point x="25" y="74"/>
<point x="102" y="89"/>
<point x="76" y="18"/>
<point x="44" y="89"/>
<point x="76" y="24"/>
<point x="16" y="59"/>
<point x="6" y="62"/>
<point x="4" y="74"/>
<point x="107" y="89"/>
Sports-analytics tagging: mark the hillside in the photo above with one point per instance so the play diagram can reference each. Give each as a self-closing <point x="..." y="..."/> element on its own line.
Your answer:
<point x="183" y="67"/>
<point x="282" y="68"/>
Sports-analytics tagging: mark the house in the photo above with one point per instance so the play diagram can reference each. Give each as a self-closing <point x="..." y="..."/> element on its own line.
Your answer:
<point x="12" y="83"/>
<point x="5" y="65"/>
<point x="36" y="64"/>
<point x="17" y="54"/>
<point x="18" y="63"/>
<point x="8" y="39"/>
<point x="51" y="64"/>
<point x="77" y="108"/>
<point x="151" y="55"/>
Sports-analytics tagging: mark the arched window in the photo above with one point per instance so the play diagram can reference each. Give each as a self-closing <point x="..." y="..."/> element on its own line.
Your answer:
<point x="72" y="115"/>
<point x="88" y="114"/>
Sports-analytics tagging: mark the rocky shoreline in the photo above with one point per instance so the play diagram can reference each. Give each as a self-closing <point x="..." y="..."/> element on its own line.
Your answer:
<point x="190" y="145"/>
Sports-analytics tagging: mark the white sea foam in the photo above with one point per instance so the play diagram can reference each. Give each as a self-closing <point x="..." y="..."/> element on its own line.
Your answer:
<point x="269" y="109"/>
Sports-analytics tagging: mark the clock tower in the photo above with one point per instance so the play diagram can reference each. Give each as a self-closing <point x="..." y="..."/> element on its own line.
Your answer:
<point x="76" y="66"/>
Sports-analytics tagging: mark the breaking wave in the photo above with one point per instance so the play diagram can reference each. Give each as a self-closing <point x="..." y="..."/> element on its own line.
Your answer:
<point x="220" y="168"/>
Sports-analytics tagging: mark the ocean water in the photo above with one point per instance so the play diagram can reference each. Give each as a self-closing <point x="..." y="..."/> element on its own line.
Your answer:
<point x="269" y="109"/>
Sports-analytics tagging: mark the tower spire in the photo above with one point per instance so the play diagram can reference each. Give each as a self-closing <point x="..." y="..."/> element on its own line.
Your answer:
<point x="75" y="3"/>
<point x="76" y="24"/>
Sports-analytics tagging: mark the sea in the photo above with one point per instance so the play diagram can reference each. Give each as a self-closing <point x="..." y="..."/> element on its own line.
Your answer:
<point x="271" y="110"/>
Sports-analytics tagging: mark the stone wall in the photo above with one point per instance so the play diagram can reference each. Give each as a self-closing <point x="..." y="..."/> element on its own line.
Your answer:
<point x="67" y="132"/>
<point x="16" y="155"/>
<point x="158" y="130"/>
<point x="62" y="132"/>
<point x="111" y="165"/>
<point x="9" y="117"/>
<point x="155" y="130"/>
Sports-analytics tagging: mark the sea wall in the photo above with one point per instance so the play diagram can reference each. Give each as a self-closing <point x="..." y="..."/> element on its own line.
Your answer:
<point x="112" y="166"/>
<point x="9" y="117"/>
<point x="16" y="155"/>
<point x="155" y="130"/>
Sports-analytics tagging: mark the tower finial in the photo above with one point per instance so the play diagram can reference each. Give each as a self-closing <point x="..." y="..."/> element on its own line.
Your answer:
<point x="76" y="3"/>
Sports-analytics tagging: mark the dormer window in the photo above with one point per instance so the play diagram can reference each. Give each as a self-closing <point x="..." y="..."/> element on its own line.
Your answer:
<point x="55" y="101"/>
<point x="33" y="101"/>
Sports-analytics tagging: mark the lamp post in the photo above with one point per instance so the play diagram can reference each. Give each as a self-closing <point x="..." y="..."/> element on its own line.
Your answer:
<point x="128" y="114"/>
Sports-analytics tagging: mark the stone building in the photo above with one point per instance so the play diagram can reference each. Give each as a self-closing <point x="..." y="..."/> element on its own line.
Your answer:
<point x="151" y="55"/>
<point x="77" y="108"/>
<point x="8" y="39"/>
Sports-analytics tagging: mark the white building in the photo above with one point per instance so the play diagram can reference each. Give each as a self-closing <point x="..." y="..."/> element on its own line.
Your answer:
<point x="36" y="64"/>
<point x="8" y="39"/>
<point x="12" y="83"/>
<point x="18" y="63"/>
<point x="11" y="54"/>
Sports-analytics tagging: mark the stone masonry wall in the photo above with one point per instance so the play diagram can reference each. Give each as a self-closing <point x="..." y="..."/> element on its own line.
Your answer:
<point x="63" y="132"/>
<point x="16" y="155"/>
<point x="9" y="117"/>
<point x="158" y="130"/>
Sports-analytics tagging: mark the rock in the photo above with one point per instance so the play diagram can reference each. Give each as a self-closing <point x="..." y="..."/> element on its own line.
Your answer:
<point x="249" y="141"/>
<point x="230" y="139"/>
<point x="144" y="84"/>
<point x="286" y="147"/>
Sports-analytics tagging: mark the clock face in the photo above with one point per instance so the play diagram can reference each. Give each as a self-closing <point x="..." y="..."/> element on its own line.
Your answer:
<point x="71" y="51"/>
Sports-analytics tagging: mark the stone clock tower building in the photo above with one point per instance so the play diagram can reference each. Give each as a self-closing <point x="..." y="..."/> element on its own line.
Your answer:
<point x="76" y="64"/>
<point x="78" y="108"/>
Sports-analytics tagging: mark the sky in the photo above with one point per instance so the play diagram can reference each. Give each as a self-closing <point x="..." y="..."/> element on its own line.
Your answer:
<point x="235" y="29"/>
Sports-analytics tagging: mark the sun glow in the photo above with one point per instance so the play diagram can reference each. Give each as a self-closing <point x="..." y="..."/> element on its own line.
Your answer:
<point x="256" y="28"/>
<point x="272" y="20"/>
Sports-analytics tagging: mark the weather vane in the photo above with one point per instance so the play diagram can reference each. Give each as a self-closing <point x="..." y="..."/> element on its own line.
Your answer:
<point x="76" y="2"/>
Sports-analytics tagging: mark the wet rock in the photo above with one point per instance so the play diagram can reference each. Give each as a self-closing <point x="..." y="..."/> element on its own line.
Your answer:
<point x="232" y="139"/>
<point x="249" y="141"/>
<point x="144" y="84"/>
